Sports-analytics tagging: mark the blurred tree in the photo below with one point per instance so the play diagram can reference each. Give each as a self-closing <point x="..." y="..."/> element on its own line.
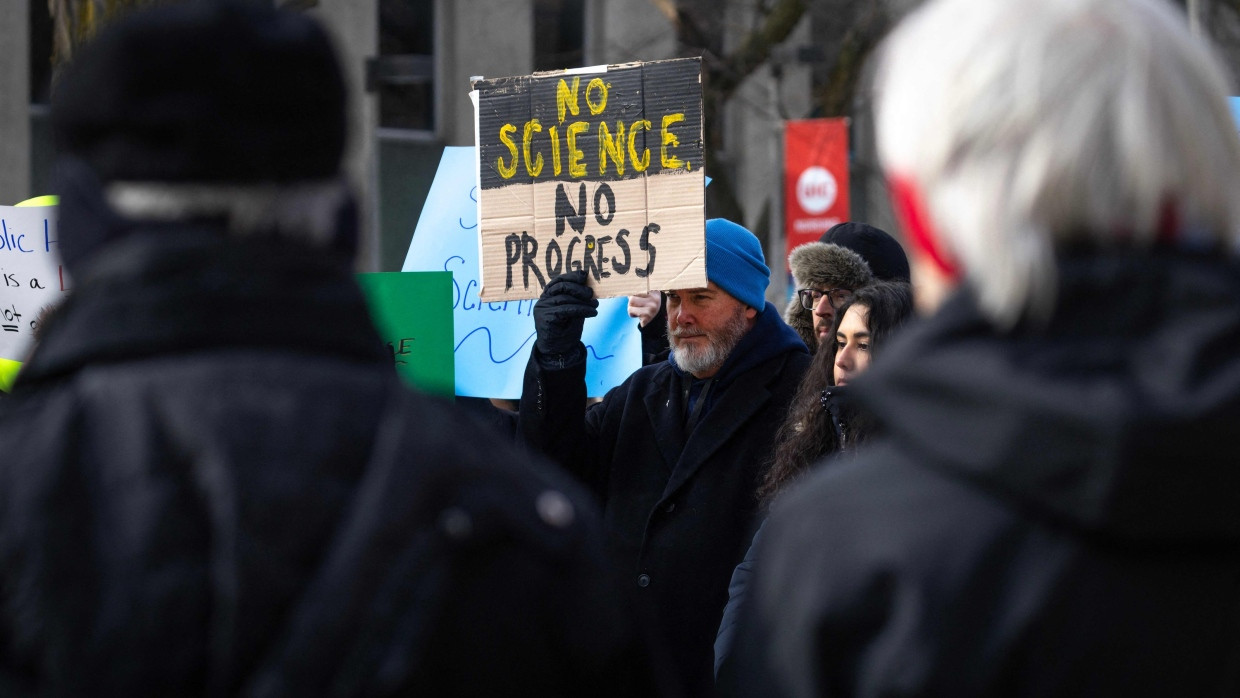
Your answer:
<point x="843" y="32"/>
<point x="75" y="21"/>
<point x="843" y="35"/>
<point x="701" y="31"/>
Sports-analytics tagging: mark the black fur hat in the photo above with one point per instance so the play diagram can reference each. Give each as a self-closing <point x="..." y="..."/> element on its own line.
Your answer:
<point x="205" y="91"/>
<point x="821" y="265"/>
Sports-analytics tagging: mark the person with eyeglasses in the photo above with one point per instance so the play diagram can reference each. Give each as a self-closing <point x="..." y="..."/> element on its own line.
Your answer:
<point x="822" y="268"/>
<point x="824" y="303"/>
<point x="825" y="275"/>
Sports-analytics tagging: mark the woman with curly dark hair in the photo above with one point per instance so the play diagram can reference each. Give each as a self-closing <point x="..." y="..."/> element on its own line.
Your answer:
<point x="820" y="420"/>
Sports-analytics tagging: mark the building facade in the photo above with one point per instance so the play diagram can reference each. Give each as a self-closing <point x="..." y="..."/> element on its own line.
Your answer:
<point x="409" y="63"/>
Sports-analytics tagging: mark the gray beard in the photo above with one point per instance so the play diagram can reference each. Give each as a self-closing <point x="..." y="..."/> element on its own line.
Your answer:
<point x="694" y="359"/>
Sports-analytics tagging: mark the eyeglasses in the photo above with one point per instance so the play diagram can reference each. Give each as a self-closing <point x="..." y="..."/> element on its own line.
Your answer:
<point x="837" y="297"/>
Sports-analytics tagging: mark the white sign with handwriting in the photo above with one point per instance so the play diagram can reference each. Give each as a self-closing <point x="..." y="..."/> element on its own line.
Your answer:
<point x="31" y="276"/>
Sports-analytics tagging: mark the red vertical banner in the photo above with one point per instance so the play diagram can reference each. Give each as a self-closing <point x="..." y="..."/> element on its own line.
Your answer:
<point x="815" y="178"/>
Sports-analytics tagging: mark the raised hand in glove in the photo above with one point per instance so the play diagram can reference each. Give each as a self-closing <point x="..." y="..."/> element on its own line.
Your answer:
<point x="559" y="314"/>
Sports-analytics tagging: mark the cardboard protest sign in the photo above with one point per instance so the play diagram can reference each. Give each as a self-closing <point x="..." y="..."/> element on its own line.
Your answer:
<point x="413" y="312"/>
<point x="492" y="341"/>
<point x="31" y="278"/>
<point x="596" y="169"/>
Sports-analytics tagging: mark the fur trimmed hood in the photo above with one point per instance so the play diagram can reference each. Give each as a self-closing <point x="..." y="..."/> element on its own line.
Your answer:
<point x="824" y="265"/>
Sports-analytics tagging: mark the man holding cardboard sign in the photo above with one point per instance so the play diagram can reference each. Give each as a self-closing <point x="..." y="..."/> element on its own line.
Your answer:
<point x="675" y="451"/>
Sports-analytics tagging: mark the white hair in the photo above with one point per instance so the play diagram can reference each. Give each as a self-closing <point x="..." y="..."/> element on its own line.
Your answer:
<point x="1028" y="125"/>
<point x="305" y="211"/>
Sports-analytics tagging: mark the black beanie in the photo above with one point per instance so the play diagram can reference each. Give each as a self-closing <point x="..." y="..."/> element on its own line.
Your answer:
<point x="881" y="251"/>
<point x="212" y="91"/>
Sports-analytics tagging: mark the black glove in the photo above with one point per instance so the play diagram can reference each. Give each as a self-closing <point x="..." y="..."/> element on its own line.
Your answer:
<point x="559" y="314"/>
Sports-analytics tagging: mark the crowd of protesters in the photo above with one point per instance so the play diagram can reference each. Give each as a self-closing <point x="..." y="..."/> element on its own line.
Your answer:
<point x="1029" y="489"/>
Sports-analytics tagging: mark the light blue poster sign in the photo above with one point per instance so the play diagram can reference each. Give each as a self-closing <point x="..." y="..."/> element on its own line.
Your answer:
<point x="1235" y="109"/>
<point x="493" y="340"/>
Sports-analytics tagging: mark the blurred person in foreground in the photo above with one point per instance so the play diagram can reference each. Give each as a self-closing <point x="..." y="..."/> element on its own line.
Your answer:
<point x="1055" y="509"/>
<point x="213" y="482"/>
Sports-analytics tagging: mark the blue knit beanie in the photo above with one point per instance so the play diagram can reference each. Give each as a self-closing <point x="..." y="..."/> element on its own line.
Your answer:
<point x="735" y="263"/>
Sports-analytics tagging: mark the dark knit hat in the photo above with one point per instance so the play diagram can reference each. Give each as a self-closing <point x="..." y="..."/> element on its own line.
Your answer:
<point x="881" y="251"/>
<point x="205" y="91"/>
<point x="734" y="261"/>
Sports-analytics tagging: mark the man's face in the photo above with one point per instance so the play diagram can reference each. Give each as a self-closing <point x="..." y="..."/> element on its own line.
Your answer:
<point x="703" y="326"/>
<point x="824" y="310"/>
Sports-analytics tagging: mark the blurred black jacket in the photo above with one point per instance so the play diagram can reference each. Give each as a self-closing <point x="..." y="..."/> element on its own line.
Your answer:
<point x="213" y="483"/>
<point x="1054" y="512"/>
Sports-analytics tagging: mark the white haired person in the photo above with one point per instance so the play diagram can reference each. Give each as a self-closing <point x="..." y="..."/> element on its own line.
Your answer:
<point x="1054" y="509"/>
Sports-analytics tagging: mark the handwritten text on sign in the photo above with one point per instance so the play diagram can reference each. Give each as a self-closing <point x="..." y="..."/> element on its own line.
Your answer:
<point x="598" y="171"/>
<point x="492" y="340"/>
<point x="31" y="278"/>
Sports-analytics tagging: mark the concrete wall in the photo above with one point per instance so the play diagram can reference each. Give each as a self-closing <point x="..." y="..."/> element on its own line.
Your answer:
<point x="354" y="26"/>
<point x="491" y="38"/>
<point x="754" y="139"/>
<point x="15" y="103"/>
<point x="619" y="31"/>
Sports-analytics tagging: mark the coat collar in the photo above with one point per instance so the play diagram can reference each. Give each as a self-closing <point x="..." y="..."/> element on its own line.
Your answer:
<point x="747" y="395"/>
<point x="1116" y="417"/>
<point x="190" y="290"/>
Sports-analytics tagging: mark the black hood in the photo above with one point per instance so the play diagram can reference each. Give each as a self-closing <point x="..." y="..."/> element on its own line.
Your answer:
<point x="181" y="288"/>
<point x="1120" y="418"/>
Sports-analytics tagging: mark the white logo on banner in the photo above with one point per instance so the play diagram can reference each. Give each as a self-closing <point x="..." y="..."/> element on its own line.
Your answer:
<point x="816" y="190"/>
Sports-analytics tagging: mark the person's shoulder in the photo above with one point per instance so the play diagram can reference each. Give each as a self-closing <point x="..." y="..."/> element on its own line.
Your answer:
<point x="798" y="361"/>
<point x="31" y="426"/>
<point x="887" y="506"/>
<point x="878" y="475"/>
<point x="469" y="467"/>
<point x="789" y="365"/>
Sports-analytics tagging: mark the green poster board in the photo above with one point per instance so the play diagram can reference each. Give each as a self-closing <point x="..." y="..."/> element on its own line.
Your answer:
<point x="413" y="311"/>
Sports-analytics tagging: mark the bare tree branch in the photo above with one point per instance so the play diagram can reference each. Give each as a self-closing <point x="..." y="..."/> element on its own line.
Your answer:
<point x="74" y="22"/>
<point x="778" y="23"/>
<point x="835" y="97"/>
<point x="667" y="8"/>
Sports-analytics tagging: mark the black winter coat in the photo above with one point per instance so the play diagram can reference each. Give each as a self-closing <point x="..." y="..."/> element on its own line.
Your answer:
<point x="678" y="509"/>
<point x="212" y="483"/>
<point x="849" y="428"/>
<point x="1054" y="513"/>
